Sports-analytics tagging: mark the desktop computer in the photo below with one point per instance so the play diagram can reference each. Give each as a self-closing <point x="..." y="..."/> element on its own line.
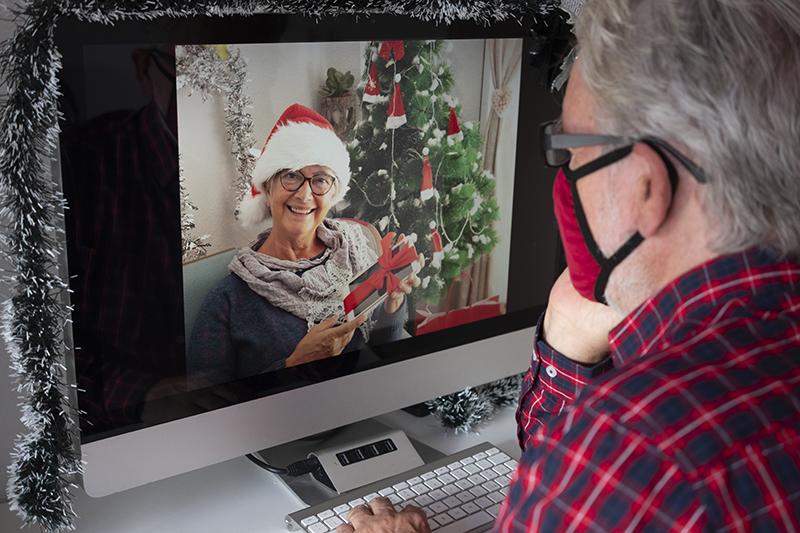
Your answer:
<point x="163" y="130"/>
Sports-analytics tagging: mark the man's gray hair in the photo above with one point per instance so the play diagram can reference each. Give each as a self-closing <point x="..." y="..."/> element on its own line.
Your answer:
<point x="720" y="79"/>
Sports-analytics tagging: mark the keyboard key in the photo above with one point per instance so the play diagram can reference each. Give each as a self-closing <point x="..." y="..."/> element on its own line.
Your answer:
<point x="494" y="510"/>
<point x="386" y="491"/>
<point x="324" y="515"/>
<point x="454" y="465"/>
<point x="464" y="484"/>
<point x="512" y="464"/>
<point x="451" y="489"/>
<point x="489" y="474"/>
<point x="445" y="479"/>
<point x="467" y="460"/>
<point x="504" y="491"/>
<point x="480" y="455"/>
<point x="433" y="483"/>
<point x="437" y="494"/>
<point x="319" y="527"/>
<point x="471" y="469"/>
<point x="476" y="479"/>
<point x="407" y="494"/>
<point x="356" y="502"/>
<point x="341" y="509"/>
<point x="459" y="473"/>
<point x="500" y="458"/>
<point x="400" y="486"/>
<point x="492" y="451"/>
<point x="501" y="469"/>
<point x="483" y="502"/>
<point x="440" y="471"/>
<point x="438" y="507"/>
<point x="420" y="489"/>
<point x="308" y="521"/>
<point x="414" y="481"/>
<point x="428" y="475"/>
<point x="394" y="498"/>
<point x="371" y="496"/>
<point x="423" y="500"/>
<point x="443" y="519"/>
<point x="457" y="513"/>
<point x="334" y="522"/>
<point x="433" y="524"/>
<point x="490" y="486"/>
<point x="464" y="496"/>
<point x="483" y="464"/>
<point x="470" y="508"/>
<point x="452" y="501"/>
<point x="496" y="497"/>
<point x="478" y="491"/>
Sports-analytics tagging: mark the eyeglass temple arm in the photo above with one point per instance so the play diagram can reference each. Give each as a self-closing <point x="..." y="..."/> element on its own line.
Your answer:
<point x="698" y="173"/>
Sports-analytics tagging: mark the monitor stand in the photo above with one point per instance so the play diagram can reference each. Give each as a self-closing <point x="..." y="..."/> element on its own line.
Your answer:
<point x="393" y="457"/>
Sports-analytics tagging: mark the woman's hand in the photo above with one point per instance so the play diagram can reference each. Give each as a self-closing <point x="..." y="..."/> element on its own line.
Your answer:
<point x="395" y="300"/>
<point x="324" y="340"/>
<point x="575" y="326"/>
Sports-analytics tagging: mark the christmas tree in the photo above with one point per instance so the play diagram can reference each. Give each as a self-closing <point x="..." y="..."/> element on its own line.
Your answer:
<point x="416" y="170"/>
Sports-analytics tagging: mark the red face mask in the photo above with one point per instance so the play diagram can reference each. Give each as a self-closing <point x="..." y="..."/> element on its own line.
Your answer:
<point x="589" y="269"/>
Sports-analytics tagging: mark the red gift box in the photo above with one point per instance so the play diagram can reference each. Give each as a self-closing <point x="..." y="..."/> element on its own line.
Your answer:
<point x="430" y="322"/>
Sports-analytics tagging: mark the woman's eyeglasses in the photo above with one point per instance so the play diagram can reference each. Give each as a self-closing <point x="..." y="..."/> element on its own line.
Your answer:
<point x="320" y="183"/>
<point x="555" y="145"/>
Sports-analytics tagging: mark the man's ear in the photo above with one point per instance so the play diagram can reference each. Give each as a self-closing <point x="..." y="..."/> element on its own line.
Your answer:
<point x="652" y="191"/>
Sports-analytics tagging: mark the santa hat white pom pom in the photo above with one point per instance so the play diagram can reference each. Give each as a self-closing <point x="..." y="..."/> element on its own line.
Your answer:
<point x="253" y="209"/>
<point x="425" y="151"/>
<point x="397" y="78"/>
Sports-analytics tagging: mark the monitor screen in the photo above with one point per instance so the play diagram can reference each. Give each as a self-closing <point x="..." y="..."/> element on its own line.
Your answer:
<point x="255" y="211"/>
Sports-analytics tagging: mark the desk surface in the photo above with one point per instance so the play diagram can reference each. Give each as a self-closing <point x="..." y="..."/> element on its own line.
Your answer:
<point x="239" y="496"/>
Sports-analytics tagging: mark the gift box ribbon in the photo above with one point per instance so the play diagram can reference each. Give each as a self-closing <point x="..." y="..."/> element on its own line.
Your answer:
<point x="384" y="277"/>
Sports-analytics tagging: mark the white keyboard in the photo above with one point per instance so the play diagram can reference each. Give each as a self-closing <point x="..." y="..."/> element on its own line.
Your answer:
<point x="459" y="493"/>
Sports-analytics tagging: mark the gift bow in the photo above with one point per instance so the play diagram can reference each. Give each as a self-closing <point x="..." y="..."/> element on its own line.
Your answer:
<point x="389" y="47"/>
<point x="384" y="277"/>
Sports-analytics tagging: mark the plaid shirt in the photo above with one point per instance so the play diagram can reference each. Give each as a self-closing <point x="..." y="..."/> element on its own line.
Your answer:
<point x="120" y="174"/>
<point x="694" y="424"/>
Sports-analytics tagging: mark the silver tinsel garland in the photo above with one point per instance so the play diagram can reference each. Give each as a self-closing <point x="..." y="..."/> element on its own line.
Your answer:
<point x="44" y="464"/>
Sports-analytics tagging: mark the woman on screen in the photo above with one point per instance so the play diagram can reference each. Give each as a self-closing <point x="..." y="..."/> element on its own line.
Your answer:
<point x="281" y="304"/>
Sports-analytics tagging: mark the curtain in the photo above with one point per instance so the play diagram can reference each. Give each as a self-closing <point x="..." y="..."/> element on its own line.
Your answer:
<point x="504" y="57"/>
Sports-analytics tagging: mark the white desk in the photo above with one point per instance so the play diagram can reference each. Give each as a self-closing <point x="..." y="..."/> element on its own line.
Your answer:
<point x="239" y="497"/>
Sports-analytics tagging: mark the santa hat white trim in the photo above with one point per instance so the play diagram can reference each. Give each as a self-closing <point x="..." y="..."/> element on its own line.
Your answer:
<point x="294" y="146"/>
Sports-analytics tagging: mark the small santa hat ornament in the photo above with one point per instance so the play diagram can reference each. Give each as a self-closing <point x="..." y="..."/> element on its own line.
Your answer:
<point x="301" y="137"/>
<point x="392" y="48"/>
<point x="436" y="240"/>
<point x="397" y="112"/>
<point x="426" y="190"/>
<point x="372" y="91"/>
<point x="453" y="130"/>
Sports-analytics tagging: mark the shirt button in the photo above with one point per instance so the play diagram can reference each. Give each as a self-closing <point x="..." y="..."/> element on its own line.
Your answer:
<point x="551" y="371"/>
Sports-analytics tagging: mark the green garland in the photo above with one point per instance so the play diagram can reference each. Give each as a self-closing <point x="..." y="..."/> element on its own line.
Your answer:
<point x="44" y="464"/>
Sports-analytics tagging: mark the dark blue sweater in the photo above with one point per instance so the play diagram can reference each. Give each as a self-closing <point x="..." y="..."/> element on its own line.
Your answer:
<point x="238" y="333"/>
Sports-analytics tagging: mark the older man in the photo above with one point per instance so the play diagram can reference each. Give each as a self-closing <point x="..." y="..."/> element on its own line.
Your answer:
<point x="679" y="206"/>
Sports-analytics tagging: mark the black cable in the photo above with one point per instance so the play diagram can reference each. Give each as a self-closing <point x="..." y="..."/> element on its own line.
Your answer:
<point x="295" y="469"/>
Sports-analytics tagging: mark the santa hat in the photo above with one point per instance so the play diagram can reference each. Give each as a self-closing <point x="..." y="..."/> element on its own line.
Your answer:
<point x="436" y="241"/>
<point x="396" y="111"/>
<point x="426" y="189"/>
<point x="372" y="91"/>
<point x="453" y="130"/>
<point x="301" y="137"/>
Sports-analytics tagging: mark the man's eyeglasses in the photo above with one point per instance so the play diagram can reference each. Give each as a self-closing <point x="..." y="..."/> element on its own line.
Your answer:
<point x="555" y="146"/>
<point x="320" y="183"/>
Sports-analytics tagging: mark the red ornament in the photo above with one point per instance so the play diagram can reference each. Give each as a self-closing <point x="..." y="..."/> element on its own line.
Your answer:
<point x="372" y="91"/>
<point x="389" y="48"/>
<point x="453" y="130"/>
<point x="397" y="113"/>
<point x="426" y="190"/>
<point x="438" y="253"/>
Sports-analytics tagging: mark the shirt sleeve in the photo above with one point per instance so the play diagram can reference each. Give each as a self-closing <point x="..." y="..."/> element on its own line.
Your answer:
<point x="553" y="382"/>
<point x="591" y="473"/>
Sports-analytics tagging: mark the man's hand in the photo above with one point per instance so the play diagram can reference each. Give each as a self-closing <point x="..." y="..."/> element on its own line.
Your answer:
<point x="324" y="340"/>
<point x="575" y="326"/>
<point x="380" y="516"/>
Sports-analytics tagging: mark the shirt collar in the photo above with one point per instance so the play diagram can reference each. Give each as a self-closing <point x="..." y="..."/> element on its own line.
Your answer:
<point x="692" y="298"/>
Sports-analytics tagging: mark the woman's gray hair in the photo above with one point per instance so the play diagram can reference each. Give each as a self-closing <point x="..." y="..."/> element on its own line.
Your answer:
<point x="719" y="78"/>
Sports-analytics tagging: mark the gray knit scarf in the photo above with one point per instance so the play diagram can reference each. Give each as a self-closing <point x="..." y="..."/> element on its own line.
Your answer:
<point x="310" y="289"/>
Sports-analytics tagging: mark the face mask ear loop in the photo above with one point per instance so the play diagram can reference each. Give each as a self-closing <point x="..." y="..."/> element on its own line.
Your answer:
<point x="595" y="165"/>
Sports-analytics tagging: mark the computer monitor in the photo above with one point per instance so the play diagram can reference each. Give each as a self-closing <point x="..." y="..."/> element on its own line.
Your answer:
<point x="162" y="124"/>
